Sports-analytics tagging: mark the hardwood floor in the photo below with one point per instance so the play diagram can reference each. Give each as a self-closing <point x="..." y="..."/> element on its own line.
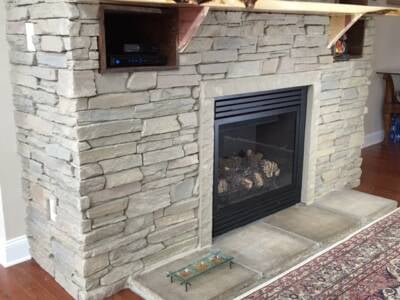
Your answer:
<point x="26" y="281"/>
<point x="381" y="171"/>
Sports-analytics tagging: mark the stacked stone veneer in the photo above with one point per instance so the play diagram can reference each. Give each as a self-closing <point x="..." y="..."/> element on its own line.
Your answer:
<point x="115" y="156"/>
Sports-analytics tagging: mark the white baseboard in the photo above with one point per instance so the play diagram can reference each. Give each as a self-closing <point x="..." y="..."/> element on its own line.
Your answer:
<point x="14" y="251"/>
<point x="374" y="138"/>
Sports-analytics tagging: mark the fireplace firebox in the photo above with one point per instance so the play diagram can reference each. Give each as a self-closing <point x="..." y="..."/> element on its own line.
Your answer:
<point x="258" y="155"/>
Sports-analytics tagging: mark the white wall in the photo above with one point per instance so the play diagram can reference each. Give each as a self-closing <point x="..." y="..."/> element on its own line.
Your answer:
<point x="387" y="57"/>
<point x="12" y="208"/>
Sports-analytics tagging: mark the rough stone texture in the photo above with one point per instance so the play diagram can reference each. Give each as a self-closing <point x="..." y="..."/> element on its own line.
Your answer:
<point x="75" y="84"/>
<point x="119" y="153"/>
<point x="51" y="44"/>
<point x="123" y="177"/>
<point x="147" y="202"/>
<point x="154" y="157"/>
<point x="121" y="163"/>
<point x="160" y="125"/>
<point x="142" y="81"/>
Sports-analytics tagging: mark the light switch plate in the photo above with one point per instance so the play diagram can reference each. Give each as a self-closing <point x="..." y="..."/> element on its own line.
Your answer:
<point x="30" y="32"/>
<point x="53" y="208"/>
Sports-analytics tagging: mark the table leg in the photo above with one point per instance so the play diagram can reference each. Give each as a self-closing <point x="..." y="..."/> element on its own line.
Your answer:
<point x="387" y="119"/>
<point x="388" y="104"/>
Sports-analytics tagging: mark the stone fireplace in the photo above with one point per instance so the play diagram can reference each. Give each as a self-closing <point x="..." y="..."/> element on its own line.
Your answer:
<point x="308" y="87"/>
<point x="119" y="168"/>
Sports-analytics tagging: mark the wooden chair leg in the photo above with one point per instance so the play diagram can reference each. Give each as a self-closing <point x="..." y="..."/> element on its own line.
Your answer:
<point x="387" y="119"/>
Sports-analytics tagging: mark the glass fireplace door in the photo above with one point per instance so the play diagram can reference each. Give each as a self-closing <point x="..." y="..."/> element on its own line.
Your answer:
<point x="255" y="157"/>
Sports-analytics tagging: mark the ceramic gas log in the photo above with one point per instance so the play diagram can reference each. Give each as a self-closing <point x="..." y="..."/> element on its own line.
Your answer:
<point x="246" y="171"/>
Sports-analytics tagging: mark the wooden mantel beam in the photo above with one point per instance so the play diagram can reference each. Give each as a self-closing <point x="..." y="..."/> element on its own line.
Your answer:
<point x="290" y="7"/>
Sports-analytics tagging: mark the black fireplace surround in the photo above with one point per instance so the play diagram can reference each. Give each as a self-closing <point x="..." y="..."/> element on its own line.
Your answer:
<point x="258" y="155"/>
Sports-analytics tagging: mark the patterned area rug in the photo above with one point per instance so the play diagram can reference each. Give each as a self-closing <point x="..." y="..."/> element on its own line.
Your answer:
<point x="367" y="266"/>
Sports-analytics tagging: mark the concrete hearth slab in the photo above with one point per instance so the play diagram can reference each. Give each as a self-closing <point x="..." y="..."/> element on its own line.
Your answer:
<point x="221" y="283"/>
<point x="362" y="206"/>
<point x="265" y="249"/>
<point x="317" y="224"/>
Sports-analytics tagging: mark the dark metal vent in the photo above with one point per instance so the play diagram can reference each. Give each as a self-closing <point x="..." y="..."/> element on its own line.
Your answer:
<point x="257" y="102"/>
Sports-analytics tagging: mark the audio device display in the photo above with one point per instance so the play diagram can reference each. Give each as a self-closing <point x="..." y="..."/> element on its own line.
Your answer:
<point x="141" y="48"/>
<point x="137" y="59"/>
<point x="137" y="54"/>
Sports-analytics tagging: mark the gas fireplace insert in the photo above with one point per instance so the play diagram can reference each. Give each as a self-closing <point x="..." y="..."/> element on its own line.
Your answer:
<point x="258" y="155"/>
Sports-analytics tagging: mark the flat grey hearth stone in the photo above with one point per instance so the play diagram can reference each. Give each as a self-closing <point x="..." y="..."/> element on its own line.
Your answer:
<point x="263" y="248"/>
<point x="320" y="225"/>
<point x="363" y="206"/>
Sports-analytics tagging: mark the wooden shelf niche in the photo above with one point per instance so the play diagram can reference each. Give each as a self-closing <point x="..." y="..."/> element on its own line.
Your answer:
<point x="352" y="30"/>
<point x="134" y="38"/>
<point x="354" y="38"/>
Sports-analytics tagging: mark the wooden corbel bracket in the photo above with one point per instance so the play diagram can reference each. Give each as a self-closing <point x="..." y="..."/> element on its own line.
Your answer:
<point x="190" y="19"/>
<point x="340" y="24"/>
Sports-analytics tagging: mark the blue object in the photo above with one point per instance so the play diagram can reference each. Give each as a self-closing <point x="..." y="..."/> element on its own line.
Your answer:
<point x="394" y="135"/>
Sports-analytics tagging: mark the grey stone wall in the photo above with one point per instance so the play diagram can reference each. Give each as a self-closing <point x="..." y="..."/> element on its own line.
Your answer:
<point x="117" y="154"/>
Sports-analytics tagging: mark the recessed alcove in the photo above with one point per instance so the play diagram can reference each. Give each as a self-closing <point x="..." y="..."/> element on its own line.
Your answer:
<point x="138" y="38"/>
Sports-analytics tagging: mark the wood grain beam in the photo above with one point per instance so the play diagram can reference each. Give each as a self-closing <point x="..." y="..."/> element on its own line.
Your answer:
<point x="295" y="7"/>
<point x="190" y="19"/>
